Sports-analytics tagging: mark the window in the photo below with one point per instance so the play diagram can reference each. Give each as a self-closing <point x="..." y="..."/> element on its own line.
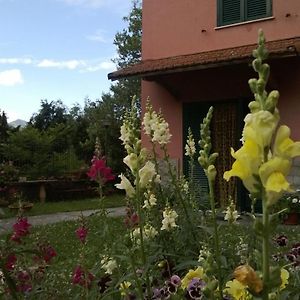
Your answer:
<point x="236" y="11"/>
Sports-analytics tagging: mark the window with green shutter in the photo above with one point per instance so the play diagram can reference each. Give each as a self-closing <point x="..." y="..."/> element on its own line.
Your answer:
<point x="236" y="11"/>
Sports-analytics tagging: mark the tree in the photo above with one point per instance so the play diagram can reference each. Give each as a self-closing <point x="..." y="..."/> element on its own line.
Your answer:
<point x="50" y="114"/>
<point x="105" y="115"/>
<point x="4" y="127"/>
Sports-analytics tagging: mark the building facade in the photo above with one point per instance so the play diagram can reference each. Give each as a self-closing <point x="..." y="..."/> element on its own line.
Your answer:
<point x="198" y="53"/>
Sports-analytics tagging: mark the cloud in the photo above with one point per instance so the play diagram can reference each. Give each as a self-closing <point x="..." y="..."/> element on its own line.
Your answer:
<point x="66" y="64"/>
<point x="16" y="60"/>
<point x="105" y="65"/>
<point x="11" y="77"/>
<point x="99" y="36"/>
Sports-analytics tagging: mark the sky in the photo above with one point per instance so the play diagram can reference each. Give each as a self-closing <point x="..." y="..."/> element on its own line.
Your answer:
<point x="56" y="49"/>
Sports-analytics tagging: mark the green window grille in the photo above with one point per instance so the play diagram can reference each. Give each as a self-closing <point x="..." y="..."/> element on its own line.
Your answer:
<point x="236" y="11"/>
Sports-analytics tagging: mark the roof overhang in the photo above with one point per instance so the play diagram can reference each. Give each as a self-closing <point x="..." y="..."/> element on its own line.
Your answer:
<point x="204" y="60"/>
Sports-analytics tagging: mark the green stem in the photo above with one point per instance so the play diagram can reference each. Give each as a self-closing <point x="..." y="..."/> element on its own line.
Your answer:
<point x="266" y="249"/>
<point x="137" y="280"/>
<point x="141" y="227"/>
<point x="178" y="192"/>
<point x="216" y="235"/>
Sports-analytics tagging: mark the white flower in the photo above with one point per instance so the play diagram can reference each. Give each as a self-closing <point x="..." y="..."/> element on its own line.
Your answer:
<point x="190" y="148"/>
<point x="125" y="134"/>
<point x="131" y="161"/>
<point x="125" y="185"/>
<point x="149" y="201"/>
<point x="169" y="220"/>
<point x="294" y="200"/>
<point x="147" y="173"/>
<point x="108" y="264"/>
<point x="231" y="214"/>
<point x="156" y="127"/>
<point x="161" y="133"/>
<point x="149" y="233"/>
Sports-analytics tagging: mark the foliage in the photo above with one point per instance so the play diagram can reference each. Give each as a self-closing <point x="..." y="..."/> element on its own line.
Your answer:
<point x="290" y="201"/>
<point x="168" y="248"/>
<point x="49" y="115"/>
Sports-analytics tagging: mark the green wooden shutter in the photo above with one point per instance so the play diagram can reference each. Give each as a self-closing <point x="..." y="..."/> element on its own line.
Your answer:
<point x="230" y="11"/>
<point x="256" y="9"/>
<point x="235" y="11"/>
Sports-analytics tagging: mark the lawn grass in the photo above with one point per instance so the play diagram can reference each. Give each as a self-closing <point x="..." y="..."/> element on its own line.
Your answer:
<point x="115" y="200"/>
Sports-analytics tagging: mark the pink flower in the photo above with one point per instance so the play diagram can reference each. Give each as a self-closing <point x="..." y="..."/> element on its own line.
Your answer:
<point x="48" y="252"/>
<point x="21" y="228"/>
<point x="99" y="171"/>
<point x="81" y="233"/>
<point x="24" y="282"/>
<point x="10" y="262"/>
<point x="82" y="278"/>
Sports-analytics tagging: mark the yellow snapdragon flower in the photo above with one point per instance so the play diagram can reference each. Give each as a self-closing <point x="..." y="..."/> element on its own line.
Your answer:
<point x="260" y="127"/>
<point x="248" y="159"/>
<point x="237" y="290"/>
<point x="273" y="177"/>
<point x="284" y="146"/>
<point x="191" y="274"/>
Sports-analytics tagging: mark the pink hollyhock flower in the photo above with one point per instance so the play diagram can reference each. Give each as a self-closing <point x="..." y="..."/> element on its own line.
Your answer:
<point x="21" y="228"/>
<point x="82" y="278"/>
<point x="99" y="171"/>
<point x="81" y="233"/>
<point x="10" y="262"/>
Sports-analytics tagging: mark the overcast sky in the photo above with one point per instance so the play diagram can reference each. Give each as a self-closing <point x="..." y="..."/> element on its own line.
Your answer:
<point x="56" y="49"/>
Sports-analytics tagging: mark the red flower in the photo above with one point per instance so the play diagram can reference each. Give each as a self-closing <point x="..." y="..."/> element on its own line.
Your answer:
<point x="47" y="252"/>
<point x="82" y="278"/>
<point x="81" y="233"/>
<point x="10" y="262"/>
<point x="21" y="228"/>
<point x="99" y="171"/>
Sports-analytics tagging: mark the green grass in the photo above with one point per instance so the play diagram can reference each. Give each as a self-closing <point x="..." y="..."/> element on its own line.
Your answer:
<point x="115" y="200"/>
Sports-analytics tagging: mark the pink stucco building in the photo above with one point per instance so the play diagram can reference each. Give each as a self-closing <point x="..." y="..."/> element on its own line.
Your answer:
<point x="197" y="53"/>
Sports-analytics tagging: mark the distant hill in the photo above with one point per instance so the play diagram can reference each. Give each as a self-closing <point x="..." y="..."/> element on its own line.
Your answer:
<point x="17" y="123"/>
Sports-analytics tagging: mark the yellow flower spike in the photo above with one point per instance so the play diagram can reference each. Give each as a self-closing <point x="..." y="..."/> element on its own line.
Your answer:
<point x="260" y="127"/>
<point x="191" y="274"/>
<point x="247" y="276"/>
<point x="284" y="146"/>
<point x="284" y="275"/>
<point x="248" y="159"/>
<point x="236" y="289"/>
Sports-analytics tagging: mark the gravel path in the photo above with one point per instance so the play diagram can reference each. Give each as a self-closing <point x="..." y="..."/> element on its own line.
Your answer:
<point x="6" y="224"/>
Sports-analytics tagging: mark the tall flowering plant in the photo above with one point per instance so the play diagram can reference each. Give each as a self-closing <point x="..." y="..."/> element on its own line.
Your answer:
<point x="263" y="163"/>
<point x="99" y="171"/>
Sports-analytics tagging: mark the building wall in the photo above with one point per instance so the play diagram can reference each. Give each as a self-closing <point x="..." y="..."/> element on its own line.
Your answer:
<point x="227" y="83"/>
<point x="177" y="27"/>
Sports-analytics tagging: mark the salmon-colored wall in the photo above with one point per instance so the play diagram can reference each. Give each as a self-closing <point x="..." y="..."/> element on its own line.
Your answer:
<point x="172" y="111"/>
<point x="289" y="102"/>
<point x="221" y="84"/>
<point x="177" y="27"/>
